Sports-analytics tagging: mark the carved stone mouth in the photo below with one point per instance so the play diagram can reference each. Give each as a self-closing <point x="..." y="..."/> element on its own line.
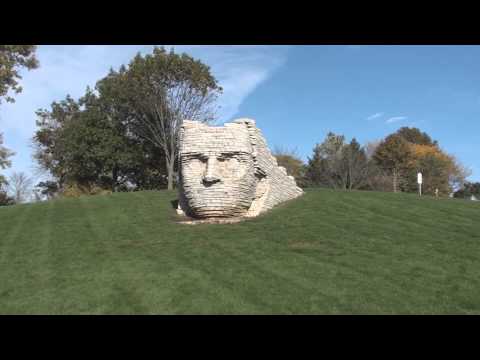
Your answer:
<point x="207" y="182"/>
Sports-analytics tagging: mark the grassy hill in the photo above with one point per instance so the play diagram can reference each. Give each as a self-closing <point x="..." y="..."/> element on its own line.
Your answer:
<point x="325" y="253"/>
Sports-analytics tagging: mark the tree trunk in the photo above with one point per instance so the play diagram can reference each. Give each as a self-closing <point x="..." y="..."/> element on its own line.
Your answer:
<point x="395" y="175"/>
<point x="114" y="179"/>
<point x="170" y="167"/>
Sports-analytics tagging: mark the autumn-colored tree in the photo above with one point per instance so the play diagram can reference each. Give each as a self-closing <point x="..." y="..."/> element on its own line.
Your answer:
<point x="394" y="155"/>
<point x="12" y="58"/>
<point x="440" y="170"/>
<point x="415" y="136"/>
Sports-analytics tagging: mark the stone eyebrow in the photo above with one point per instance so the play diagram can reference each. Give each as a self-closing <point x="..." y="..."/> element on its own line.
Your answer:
<point x="234" y="152"/>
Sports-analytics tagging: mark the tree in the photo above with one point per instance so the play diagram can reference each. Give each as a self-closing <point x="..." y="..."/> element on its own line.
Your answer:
<point x="326" y="167"/>
<point x="356" y="165"/>
<point x="468" y="189"/>
<point x="440" y="170"/>
<point x="49" y="150"/>
<point x="5" y="199"/>
<point x="338" y="164"/>
<point x="87" y="144"/>
<point x="394" y="155"/>
<point x="20" y="186"/>
<point x="290" y="160"/>
<point x="376" y="178"/>
<point x="48" y="188"/>
<point x="4" y="162"/>
<point x="415" y="136"/>
<point x="12" y="58"/>
<point x="164" y="89"/>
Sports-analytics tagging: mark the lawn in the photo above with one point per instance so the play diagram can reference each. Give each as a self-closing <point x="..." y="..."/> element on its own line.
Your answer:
<point x="325" y="253"/>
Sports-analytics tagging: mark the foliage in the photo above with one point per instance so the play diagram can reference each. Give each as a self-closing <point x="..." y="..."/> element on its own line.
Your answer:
<point x="290" y="160"/>
<point x="394" y="156"/>
<point x="437" y="168"/>
<point x="12" y="58"/>
<point x="48" y="188"/>
<point x="20" y="187"/>
<point x="163" y="89"/>
<point x="415" y="136"/>
<point x="123" y="135"/>
<point x="338" y="164"/>
<point x="4" y="162"/>
<point x="86" y="143"/>
<point x="409" y="151"/>
<point x="468" y="190"/>
<point x="75" y="190"/>
<point x="50" y="151"/>
<point x="5" y="199"/>
<point x="325" y="168"/>
<point x="356" y="165"/>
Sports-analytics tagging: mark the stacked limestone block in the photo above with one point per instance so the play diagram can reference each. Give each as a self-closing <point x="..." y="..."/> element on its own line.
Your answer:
<point x="228" y="171"/>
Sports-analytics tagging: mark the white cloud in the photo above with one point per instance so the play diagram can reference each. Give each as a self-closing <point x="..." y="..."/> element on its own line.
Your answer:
<point x="395" y="119"/>
<point x="375" y="116"/>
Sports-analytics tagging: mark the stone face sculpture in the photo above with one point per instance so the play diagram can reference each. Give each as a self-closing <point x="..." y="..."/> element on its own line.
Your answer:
<point x="228" y="171"/>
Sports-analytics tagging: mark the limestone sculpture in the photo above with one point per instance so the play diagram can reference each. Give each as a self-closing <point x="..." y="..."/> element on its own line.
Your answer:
<point x="228" y="172"/>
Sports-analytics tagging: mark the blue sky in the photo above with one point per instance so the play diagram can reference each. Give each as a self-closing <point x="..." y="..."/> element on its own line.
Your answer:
<point x="295" y="93"/>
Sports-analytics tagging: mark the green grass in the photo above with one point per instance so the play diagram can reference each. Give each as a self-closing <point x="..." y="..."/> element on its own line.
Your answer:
<point x="324" y="253"/>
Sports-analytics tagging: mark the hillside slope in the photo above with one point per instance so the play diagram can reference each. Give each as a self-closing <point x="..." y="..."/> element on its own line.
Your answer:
<point x="326" y="252"/>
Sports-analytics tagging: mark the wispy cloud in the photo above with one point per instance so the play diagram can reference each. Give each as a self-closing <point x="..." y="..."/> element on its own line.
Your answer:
<point x="375" y="116"/>
<point x="395" y="119"/>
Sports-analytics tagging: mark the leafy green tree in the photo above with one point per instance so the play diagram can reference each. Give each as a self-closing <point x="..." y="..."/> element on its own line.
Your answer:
<point x="163" y="89"/>
<point x="338" y="164"/>
<point x="326" y="167"/>
<point x="86" y="144"/>
<point x="394" y="155"/>
<point x="50" y="152"/>
<point x="12" y="58"/>
<point x="5" y="199"/>
<point x="356" y="165"/>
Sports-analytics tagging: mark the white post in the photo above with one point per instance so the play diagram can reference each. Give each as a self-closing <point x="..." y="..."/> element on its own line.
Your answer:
<point x="419" y="180"/>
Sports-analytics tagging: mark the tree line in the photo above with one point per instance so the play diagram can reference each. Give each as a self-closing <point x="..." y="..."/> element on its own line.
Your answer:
<point x="390" y="164"/>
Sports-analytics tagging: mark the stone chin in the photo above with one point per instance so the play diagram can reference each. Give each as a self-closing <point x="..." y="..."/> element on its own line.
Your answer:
<point x="228" y="171"/>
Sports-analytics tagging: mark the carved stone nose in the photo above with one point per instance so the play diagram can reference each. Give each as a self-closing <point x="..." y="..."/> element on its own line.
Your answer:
<point x="209" y="180"/>
<point x="210" y="177"/>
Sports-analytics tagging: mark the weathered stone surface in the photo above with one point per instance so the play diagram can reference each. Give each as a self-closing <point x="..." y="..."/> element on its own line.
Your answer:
<point x="228" y="171"/>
